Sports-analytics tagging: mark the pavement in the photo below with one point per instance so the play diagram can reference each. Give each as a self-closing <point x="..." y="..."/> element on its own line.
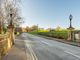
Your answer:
<point x="30" y="47"/>
<point x="17" y="52"/>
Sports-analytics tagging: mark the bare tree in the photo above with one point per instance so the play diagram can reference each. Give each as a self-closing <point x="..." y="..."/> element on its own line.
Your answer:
<point x="15" y="12"/>
<point x="8" y="7"/>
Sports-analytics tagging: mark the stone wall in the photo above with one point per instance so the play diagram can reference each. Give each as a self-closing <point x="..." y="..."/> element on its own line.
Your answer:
<point x="5" y="43"/>
<point x="74" y="36"/>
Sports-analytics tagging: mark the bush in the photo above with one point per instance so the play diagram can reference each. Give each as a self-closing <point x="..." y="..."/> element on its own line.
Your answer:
<point x="63" y="34"/>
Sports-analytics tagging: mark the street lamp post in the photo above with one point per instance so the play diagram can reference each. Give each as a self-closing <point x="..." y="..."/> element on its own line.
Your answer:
<point x="11" y="26"/>
<point x="70" y="28"/>
<point x="11" y="17"/>
<point x="70" y="17"/>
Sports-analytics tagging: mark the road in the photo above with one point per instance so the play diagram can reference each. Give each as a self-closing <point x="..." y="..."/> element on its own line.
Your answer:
<point x="45" y="49"/>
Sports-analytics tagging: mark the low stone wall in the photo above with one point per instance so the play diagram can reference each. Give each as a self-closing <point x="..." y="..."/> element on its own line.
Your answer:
<point x="5" y="44"/>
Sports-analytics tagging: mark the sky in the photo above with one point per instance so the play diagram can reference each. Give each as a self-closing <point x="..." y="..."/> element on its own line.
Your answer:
<point x="50" y="13"/>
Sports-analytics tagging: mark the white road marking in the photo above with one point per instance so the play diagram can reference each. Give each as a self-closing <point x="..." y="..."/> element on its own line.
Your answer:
<point x="72" y="54"/>
<point x="34" y="57"/>
<point x="45" y="43"/>
<point x="67" y="51"/>
<point x="64" y="51"/>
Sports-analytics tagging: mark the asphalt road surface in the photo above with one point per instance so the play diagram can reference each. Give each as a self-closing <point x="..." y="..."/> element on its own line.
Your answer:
<point x="45" y="49"/>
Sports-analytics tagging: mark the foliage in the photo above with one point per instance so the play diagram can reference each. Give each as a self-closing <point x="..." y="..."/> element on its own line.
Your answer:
<point x="58" y="28"/>
<point x="8" y="7"/>
<point x="43" y="30"/>
<point x="63" y="34"/>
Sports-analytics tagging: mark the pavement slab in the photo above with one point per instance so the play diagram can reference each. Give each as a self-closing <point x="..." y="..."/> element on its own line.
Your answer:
<point x="17" y="52"/>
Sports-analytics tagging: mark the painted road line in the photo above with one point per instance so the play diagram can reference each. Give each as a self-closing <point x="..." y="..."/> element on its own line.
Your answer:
<point x="72" y="54"/>
<point x="65" y="51"/>
<point x="34" y="57"/>
<point x="60" y="47"/>
<point x="46" y="43"/>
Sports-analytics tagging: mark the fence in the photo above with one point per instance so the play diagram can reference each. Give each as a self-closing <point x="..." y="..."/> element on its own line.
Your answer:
<point x="5" y="44"/>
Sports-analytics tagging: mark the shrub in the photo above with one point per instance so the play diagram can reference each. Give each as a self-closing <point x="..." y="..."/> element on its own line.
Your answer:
<point x="63" y="34"/>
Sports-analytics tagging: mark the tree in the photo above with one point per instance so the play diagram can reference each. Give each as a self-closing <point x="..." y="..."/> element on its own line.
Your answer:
<point x="34" y="27"/>
<point x="58" y="28"/>
<point x="16" y="18"/>
<point x="5" y="7"/>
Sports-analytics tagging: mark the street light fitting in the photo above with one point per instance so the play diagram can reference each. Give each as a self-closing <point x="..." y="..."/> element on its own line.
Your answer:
<point x="70" y="17"/>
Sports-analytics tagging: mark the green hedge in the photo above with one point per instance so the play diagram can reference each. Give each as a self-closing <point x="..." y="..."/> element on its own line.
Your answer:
<point x="56" y="34"/>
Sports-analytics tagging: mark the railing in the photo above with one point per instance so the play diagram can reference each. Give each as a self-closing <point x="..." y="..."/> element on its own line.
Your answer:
<point x="5" y="44"/>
